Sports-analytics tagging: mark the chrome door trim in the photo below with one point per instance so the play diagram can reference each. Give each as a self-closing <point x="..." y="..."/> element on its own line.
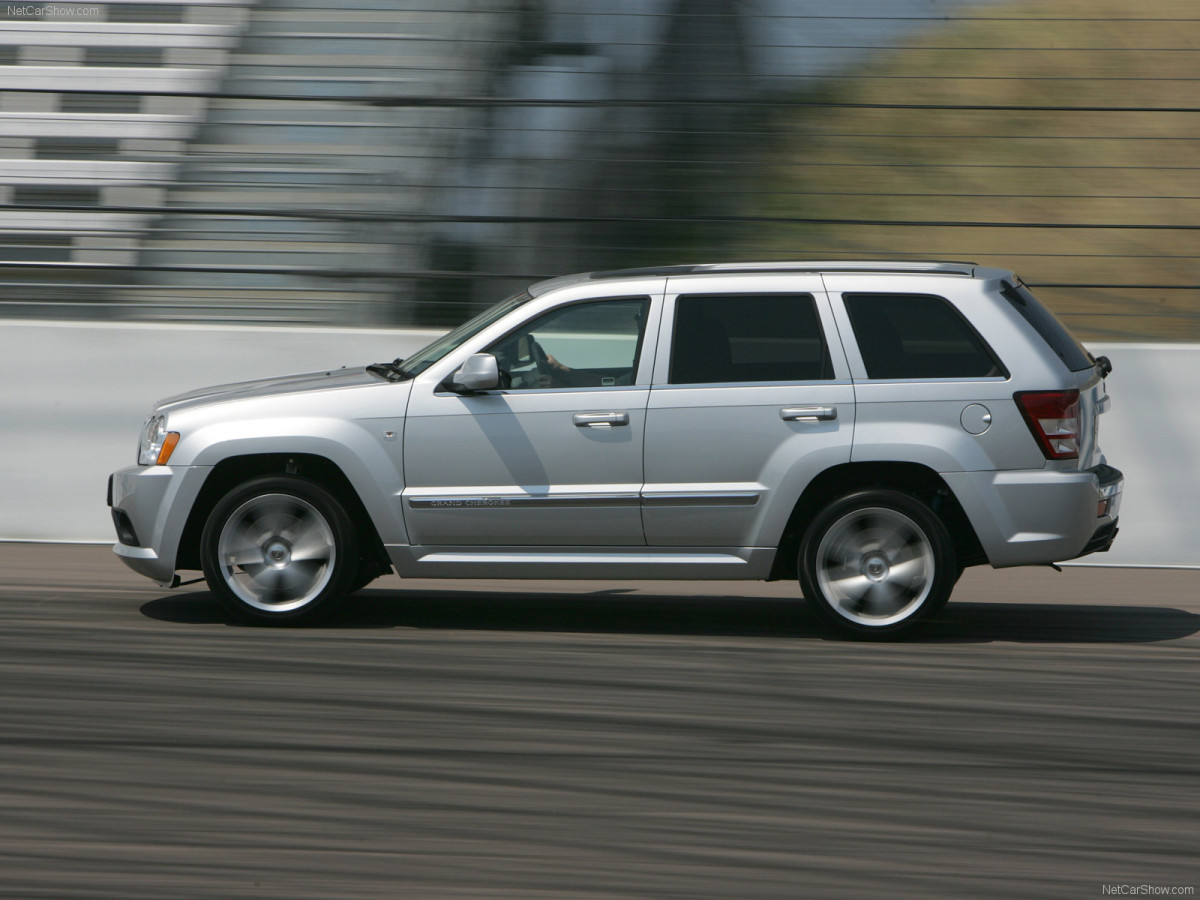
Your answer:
<point x="694" y="499"/>
<point x="539" y="501"/>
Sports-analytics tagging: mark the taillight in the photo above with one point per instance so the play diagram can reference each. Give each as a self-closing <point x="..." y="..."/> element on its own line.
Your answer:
<point x="1053" y="417"/>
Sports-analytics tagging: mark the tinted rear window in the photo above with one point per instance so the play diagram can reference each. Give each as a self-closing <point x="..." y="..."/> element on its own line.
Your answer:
<point x="917" y="336"/>
<point x="748" y="338"/>
<point x="1053" y="332"/>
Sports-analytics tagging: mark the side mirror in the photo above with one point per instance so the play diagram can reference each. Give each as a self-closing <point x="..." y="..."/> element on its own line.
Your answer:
<point x="479" y="373"/>
<point x="1105" y="365"/>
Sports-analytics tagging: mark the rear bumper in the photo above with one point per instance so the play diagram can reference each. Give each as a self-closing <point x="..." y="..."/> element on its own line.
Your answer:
<point x="1102" y="539"/>
<point x="1040" y="516"/>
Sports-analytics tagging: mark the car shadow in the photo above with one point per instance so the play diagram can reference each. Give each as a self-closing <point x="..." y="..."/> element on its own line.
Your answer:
<point x="609" y="612"/>
<point x="1060" y="623"/>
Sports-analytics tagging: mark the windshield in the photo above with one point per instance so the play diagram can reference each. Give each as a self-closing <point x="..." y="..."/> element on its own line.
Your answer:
<point x="423" y="359"/>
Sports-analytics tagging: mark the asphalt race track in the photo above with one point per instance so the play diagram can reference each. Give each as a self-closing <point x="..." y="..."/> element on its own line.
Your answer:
<point x="556" y="740"/>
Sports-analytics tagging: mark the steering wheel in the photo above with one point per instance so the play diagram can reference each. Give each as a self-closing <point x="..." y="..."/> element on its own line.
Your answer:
<point x="541" y="361"/>
<point x="554" y="374"/>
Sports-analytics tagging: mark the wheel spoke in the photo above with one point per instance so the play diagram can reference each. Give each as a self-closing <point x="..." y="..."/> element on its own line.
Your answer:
<point x="913" y="548"/>
<point x="274" y="521"/>
<point x="244" y="555"/>
<point x="311" y="544"/>
<point x="880" y="599"/>
<point x="861" y="535"/>
<point x="908" y="571"/>
<point x="272" y="583"/>
<point x="894" y="541"/>
<point x="244" y="531"/>
<point x="851" y="587"/>
<point x="249" y="572"/>
<point x="300" y="576"/>
<point x="842" y="570"/>
<point x="297" y="523"/>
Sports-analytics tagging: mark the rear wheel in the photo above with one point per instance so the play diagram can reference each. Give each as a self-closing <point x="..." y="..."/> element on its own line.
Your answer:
<point x="279" y="550"/>
<point x="877" y="563"/>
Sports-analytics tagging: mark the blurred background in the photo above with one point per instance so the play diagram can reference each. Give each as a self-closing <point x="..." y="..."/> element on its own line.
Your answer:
<point x="408" y="162"/>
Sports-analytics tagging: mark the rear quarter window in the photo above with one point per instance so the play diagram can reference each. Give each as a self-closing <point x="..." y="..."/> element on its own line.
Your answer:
<point x="918" y="336"/>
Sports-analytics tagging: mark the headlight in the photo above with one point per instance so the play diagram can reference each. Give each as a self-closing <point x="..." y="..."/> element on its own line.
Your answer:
<point x="156" y="444"/>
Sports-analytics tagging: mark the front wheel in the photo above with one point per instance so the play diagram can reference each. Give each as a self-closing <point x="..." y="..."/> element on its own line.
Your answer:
<point x="279" y="550"/>
<point x="877" y="563"/>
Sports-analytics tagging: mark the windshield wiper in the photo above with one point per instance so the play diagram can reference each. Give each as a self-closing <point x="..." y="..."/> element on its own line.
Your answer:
<point x="391" y="371"/>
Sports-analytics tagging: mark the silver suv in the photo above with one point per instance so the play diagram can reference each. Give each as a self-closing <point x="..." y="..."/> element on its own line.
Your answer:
<point x="868" y="428"/>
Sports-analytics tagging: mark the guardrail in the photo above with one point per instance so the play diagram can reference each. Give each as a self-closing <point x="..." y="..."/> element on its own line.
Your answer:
<point x="76" y="394"/>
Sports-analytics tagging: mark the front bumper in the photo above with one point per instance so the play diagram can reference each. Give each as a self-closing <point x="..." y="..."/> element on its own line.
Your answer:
<point x="150" y="507"/>
<point x="1040" y="516"/>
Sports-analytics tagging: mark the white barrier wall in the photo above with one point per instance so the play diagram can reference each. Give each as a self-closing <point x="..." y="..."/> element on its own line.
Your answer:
<point x="74" y="398"/>
<point x="1152" y="434"/>
<point x="75" y="395"/>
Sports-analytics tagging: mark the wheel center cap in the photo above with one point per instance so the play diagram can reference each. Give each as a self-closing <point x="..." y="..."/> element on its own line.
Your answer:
<point x="875" y="567"/>
<point x="278" y="554"/>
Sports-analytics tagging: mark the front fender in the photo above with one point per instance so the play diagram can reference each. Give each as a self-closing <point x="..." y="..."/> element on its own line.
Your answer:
<point x="370" y="461"/>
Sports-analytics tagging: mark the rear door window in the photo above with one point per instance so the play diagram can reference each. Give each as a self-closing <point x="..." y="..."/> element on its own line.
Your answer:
<point x="917" y="336"/>
<point x="724" y="338"/>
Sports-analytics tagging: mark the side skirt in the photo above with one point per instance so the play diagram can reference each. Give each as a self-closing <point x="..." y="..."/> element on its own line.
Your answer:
<point x="707" y="563"/>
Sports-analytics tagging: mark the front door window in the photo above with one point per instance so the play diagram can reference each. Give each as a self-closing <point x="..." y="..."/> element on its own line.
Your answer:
<point x="585" y="345"/>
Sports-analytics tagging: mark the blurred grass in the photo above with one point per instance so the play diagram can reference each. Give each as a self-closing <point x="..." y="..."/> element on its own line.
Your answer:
<point x="1045" y="168"/>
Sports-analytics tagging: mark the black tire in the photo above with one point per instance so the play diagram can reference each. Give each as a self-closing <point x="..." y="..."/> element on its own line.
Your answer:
<point x="877" y="564"/>
<point x="367" y="572"/>
<point x="266" y="521"/>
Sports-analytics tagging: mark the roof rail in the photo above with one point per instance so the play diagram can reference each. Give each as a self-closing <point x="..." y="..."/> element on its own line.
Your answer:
<point x="866" y="266"/>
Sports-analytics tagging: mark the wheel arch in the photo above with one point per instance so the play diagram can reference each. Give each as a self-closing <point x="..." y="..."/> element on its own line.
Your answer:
<point x="235" y="470"/>
<point x="911" y="478"/>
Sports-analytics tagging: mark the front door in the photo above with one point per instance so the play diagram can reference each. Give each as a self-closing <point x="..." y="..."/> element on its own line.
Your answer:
<point x="551" y="458"/>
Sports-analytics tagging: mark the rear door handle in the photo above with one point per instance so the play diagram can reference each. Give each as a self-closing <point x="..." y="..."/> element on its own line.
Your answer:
<point x="808" y="413"/>
<point x="600" y="420"/>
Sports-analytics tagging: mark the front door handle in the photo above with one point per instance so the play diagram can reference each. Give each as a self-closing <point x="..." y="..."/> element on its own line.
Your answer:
<point x="600" y="420"/>
<point x="808" y="413"/>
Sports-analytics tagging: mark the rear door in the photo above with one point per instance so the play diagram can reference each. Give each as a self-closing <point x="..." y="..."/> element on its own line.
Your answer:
<point x="751" y="398"/>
